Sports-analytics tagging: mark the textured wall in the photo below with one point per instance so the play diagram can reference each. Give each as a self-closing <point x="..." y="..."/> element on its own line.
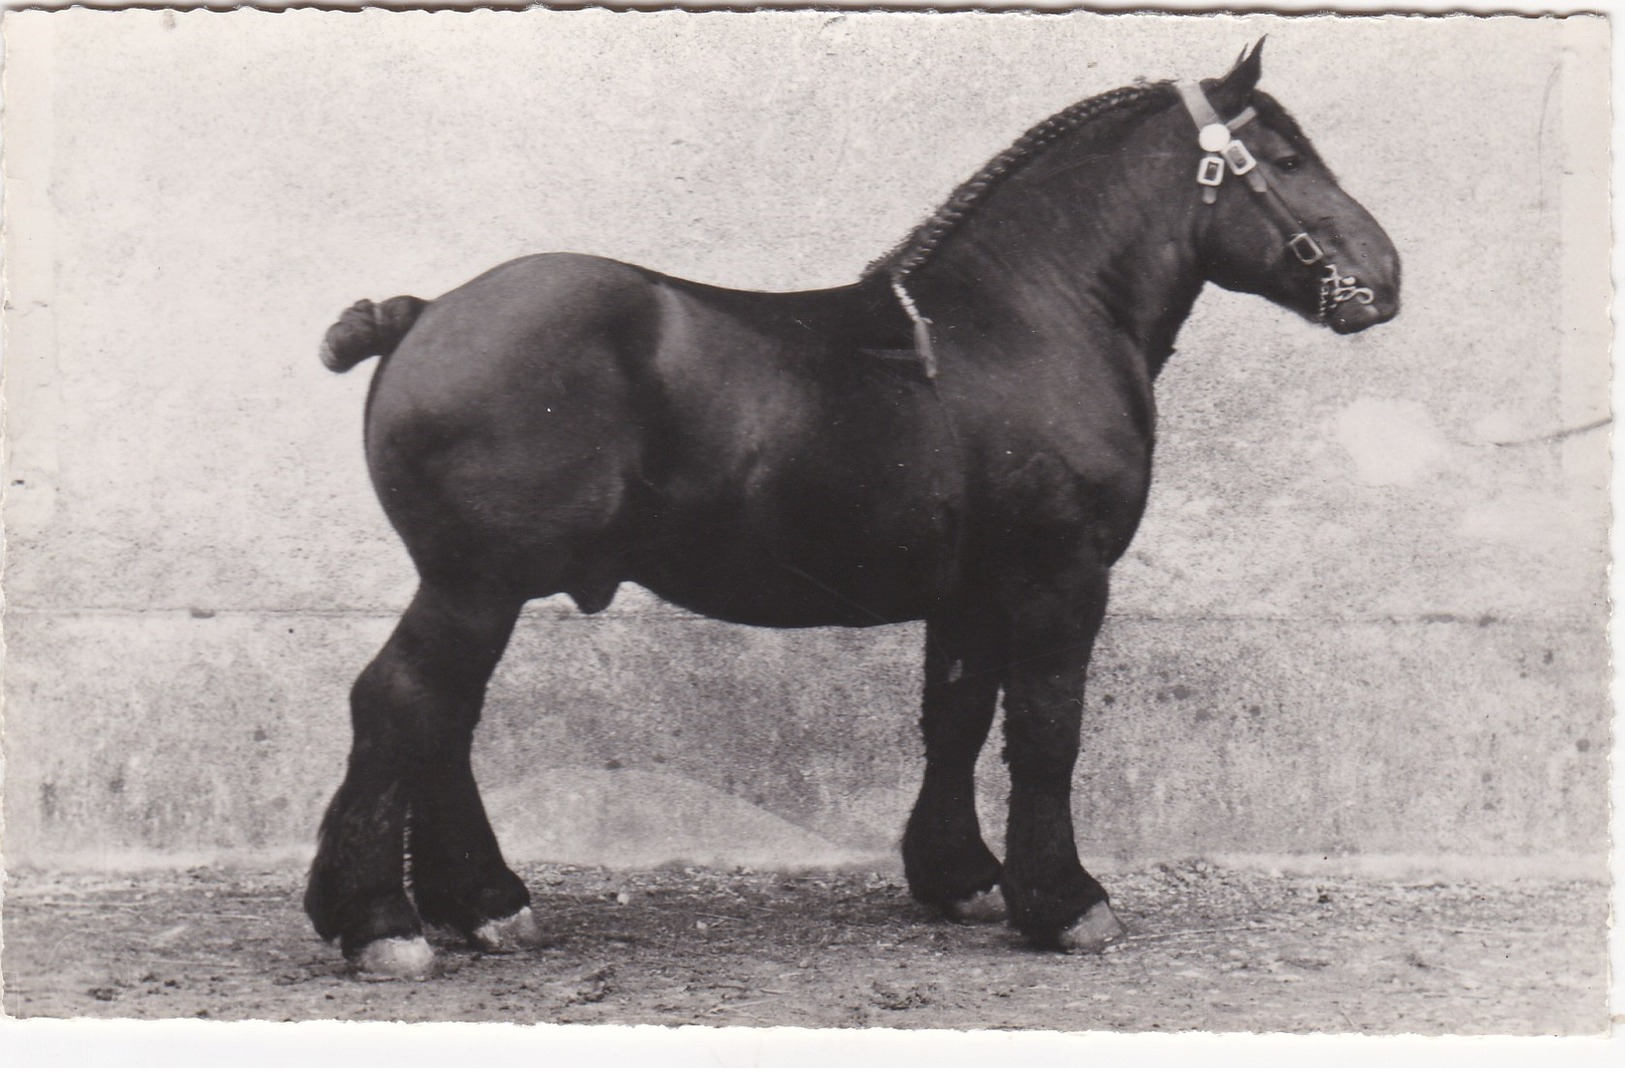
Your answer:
<point x="1353" y="622"/>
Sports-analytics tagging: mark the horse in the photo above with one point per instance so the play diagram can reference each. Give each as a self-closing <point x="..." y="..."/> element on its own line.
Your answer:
<point x="962" y="436"/>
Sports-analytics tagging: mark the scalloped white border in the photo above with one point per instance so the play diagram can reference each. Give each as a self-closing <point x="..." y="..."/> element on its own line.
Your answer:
<point x="129" y="1043"/>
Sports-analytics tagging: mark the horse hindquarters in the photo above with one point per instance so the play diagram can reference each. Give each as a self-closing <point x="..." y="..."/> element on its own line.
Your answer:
<point x="497" y="442"/>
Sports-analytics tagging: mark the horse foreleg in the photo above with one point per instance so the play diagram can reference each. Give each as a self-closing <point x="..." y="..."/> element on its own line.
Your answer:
<point x="947" y="863"/>
<point x="413" y="711"/>
<point x="1052" y="899"/>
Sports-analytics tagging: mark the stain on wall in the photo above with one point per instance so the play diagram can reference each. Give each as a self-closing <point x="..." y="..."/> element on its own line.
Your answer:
<point x="1390" y="442"/>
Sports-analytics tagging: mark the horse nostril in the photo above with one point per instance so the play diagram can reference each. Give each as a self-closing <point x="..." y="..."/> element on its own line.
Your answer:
<point x="1386" y="295"/>
<point x="1356" y="316"/>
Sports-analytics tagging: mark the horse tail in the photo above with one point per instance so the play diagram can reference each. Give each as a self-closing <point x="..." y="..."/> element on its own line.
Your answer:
<point x="369" y="329"/>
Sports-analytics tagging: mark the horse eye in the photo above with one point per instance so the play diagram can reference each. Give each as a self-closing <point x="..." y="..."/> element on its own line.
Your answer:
<point x="1289" y="163"/>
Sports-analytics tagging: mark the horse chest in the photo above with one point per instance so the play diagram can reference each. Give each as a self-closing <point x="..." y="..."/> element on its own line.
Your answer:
<point x="1063" y="497"/>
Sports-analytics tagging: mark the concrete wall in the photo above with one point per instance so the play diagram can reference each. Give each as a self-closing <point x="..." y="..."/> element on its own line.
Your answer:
<point x="1355" y="622"/>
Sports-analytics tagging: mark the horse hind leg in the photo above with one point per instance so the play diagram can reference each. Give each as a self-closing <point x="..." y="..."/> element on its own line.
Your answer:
<point x="458" y="876"/>
<point x="947" y="863"/>
<point x="413" y="712"/>
<point x="457" y="873"/>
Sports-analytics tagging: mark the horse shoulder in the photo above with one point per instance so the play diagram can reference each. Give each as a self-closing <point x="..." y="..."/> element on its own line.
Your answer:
<point x="1072" y="476"/>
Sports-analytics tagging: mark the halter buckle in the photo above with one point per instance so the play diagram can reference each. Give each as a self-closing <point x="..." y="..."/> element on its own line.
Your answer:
<point x="1240" y="158"/>
<point x="1210" y="172"/>
<point x="1305" y="248"/>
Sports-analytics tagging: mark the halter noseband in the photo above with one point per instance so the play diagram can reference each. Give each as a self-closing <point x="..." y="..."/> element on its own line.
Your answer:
<point x="1225" y="151"/>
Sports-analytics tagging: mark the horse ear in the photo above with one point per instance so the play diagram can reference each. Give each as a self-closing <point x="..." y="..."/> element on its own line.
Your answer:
<point x="1235" y="87"/>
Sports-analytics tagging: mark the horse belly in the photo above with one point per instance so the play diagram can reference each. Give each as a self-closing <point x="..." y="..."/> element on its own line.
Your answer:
<point x="809" y="571"/>
<point x="790" y="592"/>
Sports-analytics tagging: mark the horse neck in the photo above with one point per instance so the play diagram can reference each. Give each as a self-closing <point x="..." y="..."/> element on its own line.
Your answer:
<point x="1085" y="243"/>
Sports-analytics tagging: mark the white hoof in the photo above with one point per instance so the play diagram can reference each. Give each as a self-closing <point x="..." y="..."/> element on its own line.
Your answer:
<point x="509" y="934"/>
<point x="985" y="907"/>
<point x="1097" y="929"/>
<point x="396" y="958"/>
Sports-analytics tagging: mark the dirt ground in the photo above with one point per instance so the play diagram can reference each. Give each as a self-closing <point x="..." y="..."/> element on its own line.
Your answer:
<point x="1209" y="949"/>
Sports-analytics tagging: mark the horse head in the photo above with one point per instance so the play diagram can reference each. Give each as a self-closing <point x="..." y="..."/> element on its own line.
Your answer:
<point x="1272" y="219"/>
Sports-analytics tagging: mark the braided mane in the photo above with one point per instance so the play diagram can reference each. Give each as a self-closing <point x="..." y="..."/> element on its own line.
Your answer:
<point x="924" y="240"/>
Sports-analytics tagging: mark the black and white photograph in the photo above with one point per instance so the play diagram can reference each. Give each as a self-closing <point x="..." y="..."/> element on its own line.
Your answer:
<point x="1024" y="521"/>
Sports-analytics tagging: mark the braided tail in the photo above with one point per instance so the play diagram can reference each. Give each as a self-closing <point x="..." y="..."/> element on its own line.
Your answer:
<point x="369" y="329"/>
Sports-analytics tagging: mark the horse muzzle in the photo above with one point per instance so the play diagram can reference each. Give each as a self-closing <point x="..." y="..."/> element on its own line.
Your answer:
<point x="1356" y="314"/>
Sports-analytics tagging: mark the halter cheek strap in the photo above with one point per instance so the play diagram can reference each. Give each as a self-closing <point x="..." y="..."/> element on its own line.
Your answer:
<point x="1225" y="152"/>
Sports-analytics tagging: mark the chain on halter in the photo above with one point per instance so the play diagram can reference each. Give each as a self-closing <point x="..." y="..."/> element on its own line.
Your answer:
<point x="1225" y="152"/>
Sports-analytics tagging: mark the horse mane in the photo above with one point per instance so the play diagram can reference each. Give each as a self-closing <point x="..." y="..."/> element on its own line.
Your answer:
<point x="919" y="245"/>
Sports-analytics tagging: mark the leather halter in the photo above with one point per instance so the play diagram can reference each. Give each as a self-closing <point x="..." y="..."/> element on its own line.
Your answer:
<point x="1224" y="151"/>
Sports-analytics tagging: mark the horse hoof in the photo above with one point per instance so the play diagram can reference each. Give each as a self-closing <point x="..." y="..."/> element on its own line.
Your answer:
<point x="396" y="958"/>
<point x="508" y="934"/>
<point x="985" y="907"/>
<point x="1097" y="929"/>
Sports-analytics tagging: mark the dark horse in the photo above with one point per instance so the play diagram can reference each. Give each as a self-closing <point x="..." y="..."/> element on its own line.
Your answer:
<point x="964" y="436"/>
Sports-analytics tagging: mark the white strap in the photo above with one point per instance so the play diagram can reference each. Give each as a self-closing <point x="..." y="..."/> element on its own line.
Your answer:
<point x="1243" y="117"/>
<point x="1202" y="113"/>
